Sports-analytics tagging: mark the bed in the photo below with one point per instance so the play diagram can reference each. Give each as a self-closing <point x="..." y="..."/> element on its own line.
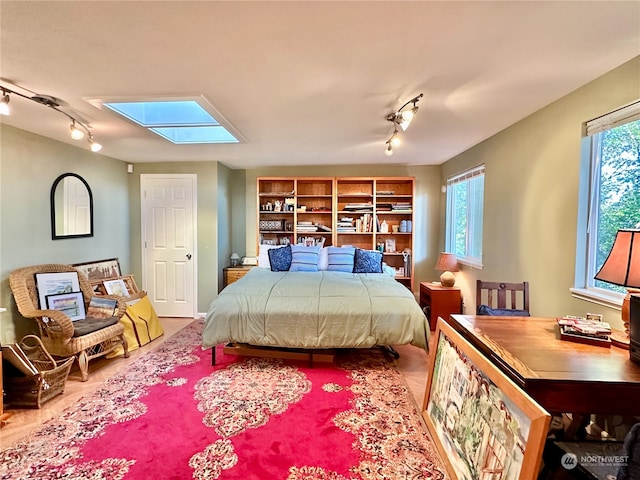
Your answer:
<point x="315" y="310"/>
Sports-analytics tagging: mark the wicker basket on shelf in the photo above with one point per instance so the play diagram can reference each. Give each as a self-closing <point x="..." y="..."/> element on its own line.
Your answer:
<point x="33" y="391"/>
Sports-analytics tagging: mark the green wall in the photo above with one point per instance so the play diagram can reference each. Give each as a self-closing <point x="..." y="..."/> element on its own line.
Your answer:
<point x="531" y="196"/>
<point x="29" y="164"/>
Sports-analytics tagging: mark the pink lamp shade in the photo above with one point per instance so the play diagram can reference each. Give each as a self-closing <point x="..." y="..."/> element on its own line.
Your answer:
<point x="447" y="263"/>
<point x="622" y="267"/>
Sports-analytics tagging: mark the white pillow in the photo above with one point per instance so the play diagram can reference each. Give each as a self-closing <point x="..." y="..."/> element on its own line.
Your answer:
<point x="263" y="255"/>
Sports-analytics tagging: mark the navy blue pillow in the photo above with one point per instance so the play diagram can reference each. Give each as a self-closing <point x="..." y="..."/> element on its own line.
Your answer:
<point x="367" y="261"/>
<point x="501" y="312"/>
<point x="280" y="259"/>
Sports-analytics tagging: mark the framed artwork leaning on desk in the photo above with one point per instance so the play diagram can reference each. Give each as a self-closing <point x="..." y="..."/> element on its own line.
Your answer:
<point x="480" y="421"/>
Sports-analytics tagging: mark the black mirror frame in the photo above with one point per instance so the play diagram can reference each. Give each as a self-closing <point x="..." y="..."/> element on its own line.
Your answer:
<point x="53" y="208"/>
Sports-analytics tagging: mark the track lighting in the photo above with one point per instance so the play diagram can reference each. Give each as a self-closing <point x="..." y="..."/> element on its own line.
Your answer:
<point x="95" y="146"/>
<point x="4" y="103"/>
<point x="78" y="128"/>
<point x="76" y="133"/>
<point x="401" y="118"/>
<point x="389" y="151"/>
<point x="395" y="139"/>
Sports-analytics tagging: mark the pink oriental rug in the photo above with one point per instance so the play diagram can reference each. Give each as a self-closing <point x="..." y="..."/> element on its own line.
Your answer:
<point x="171" y="415"/>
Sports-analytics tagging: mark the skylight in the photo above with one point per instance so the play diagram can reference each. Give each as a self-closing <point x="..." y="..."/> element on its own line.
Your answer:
<point x="179" y="121"/>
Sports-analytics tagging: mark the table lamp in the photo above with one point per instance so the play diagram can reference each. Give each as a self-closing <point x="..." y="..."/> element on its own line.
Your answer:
<point x="447" y="263"/>
<point x="622" y="267"/>
<point x="234" y="259"/>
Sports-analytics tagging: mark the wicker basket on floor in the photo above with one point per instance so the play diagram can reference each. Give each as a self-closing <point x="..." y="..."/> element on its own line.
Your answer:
<point x="33" y="391"/>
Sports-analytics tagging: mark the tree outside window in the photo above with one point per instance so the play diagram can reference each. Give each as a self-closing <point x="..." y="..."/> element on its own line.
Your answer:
<point x="615" y="190"/>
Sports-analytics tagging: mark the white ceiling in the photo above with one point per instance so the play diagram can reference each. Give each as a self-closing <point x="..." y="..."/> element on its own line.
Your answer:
<point x="309" y="83"/>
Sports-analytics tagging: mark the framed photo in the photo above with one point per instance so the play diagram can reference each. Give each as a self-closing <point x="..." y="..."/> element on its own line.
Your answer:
<point x="116" y="287"/>
<point x="99" y="269"/>
<point x="101" y="307"/>
<point x="54" y="283"/>
<point x="478" y="418"/>
<point x="71" y="304"/>
<point x="390" y="245"/>
<point x="132" y="287"/>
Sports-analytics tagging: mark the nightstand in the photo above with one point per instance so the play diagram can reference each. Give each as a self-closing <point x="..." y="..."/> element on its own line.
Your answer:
<point x="232" y="274"/>
<point x="441" y="301"/>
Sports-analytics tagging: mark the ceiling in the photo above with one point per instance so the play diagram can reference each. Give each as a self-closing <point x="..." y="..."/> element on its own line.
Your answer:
<point x="305" y="82"/>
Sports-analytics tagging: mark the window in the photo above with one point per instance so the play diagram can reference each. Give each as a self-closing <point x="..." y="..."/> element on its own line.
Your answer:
<point x="609" y="194"/>
<point x="181" y="121"/>
<point x="465" y="201"/>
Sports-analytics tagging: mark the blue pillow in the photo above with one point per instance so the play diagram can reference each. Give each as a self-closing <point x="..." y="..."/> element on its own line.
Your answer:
<point x="367" y="261"/>
<point x="501" y="312"/>
<point x="304" y="259"/>
<point x="341" y="259"/>
<point x="280" y="259"/>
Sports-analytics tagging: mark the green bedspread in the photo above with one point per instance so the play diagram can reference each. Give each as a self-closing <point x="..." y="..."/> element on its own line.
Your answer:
<point x="315" y="310"/>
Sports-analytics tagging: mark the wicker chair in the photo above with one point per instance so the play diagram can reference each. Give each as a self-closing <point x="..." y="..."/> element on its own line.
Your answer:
<point x="56" y="329"/>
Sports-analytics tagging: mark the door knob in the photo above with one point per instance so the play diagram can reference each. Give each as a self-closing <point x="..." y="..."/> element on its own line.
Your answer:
<point x="188" y="256"/>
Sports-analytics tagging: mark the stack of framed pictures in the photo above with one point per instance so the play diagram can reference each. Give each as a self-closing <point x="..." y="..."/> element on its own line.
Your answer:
<point x="106" y="278"/>
<point x="140" y="321"/>
<point x="61" y="291"/>
<point x="482" y="423"/>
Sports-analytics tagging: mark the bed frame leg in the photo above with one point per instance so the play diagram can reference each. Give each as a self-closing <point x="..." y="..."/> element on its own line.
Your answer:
<point x="389" y="350"/>
<point x="213" y="355"/>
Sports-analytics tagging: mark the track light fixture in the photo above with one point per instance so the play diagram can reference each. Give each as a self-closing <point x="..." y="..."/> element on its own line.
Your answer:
<point x="4" y="103"/>
<point x="395" y="139"/>
<point x="401" y="118"/>
<point x="76" y="133"/>
<point x="95" y="146"/>
<point x="77" y="128"/>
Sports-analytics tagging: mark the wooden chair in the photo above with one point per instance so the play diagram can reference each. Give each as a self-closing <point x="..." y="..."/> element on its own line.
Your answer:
<point x="513" y="296"/>
<point x="60" y="336"/>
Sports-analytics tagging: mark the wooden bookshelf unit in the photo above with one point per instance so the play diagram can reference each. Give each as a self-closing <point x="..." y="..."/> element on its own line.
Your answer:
<point x="341" y="211"/>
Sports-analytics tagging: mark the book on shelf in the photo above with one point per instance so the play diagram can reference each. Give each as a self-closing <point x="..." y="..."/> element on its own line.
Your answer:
<point x="13" y="355"/>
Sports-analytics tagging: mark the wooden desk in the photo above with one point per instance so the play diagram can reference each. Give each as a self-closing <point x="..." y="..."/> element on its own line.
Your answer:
<point x="562" y="376"/>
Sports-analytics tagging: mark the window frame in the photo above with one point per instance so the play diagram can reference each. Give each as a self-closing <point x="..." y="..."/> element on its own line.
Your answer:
<point x="471" y="235"/>
<point x="589" y="199"/>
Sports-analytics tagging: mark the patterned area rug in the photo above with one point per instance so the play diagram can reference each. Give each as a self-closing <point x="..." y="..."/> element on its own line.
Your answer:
<point x="171" y="415"/>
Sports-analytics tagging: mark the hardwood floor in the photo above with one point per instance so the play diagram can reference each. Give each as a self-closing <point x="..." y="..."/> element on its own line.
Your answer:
<point x="412" y="364"/>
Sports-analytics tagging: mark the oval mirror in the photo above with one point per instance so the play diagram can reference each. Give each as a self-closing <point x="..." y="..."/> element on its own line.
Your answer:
<point x="71" y="207"/>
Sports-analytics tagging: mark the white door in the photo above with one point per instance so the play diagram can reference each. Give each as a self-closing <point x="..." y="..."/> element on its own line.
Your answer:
<point x="169" y="242"/>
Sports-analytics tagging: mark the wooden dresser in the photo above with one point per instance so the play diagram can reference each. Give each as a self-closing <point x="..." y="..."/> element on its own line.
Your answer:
<point x="232" y="274"/>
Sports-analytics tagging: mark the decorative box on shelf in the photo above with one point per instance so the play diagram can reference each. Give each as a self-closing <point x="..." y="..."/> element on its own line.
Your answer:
<point x="271" y="225"/>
